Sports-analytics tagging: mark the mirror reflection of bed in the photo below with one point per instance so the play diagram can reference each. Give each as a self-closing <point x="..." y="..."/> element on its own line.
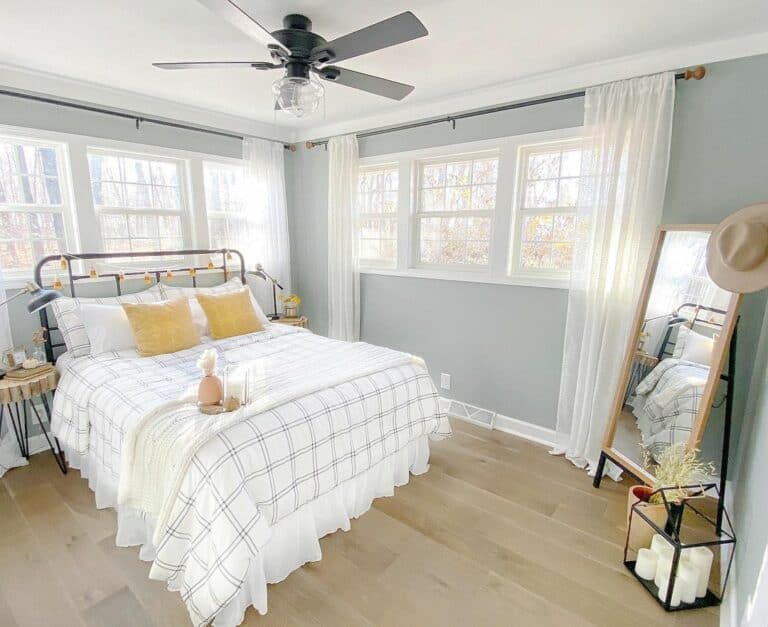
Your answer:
<point x="681" y="326"/>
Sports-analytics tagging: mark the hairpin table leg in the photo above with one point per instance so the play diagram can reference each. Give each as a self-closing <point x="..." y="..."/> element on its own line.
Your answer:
<point x="18" y="429"/>
<point x="56" y="450"/>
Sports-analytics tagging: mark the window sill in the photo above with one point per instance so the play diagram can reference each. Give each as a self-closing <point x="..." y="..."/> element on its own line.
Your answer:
<point x="470" y="277"/>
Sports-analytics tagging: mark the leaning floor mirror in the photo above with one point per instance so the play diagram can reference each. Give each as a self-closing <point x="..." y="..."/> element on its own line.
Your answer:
<point x="678" y="361"/>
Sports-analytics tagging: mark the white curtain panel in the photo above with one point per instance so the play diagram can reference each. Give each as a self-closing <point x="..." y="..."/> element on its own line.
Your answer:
<point x="263" y="237"/>
<point x="343" y="266"/>
<point x="627" y="130"/>
<point x="10" y="455"/>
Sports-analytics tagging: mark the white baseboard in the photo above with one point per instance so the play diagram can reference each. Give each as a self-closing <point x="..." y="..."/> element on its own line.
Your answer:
<point x="493" y="420"/>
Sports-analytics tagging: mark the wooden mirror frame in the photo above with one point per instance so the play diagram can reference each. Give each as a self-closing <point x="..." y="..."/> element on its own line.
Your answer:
<point x="719" y="354"/>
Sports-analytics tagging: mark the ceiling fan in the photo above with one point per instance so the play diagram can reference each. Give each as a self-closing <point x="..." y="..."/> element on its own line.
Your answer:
<point x="305" y="55"/>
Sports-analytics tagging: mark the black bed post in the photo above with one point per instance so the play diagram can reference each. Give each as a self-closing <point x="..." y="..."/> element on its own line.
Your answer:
<point x="727" y="428"/>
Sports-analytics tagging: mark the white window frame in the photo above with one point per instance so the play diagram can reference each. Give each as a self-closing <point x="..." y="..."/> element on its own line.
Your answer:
<point x="544" y="276"/>
<point x="19" y="276"/>
<point x="374" y="165"/>
<point x="218" y="214"/>
<point x="470" y="213"/>
<point x="84" y="232"/>
<point x="504" y="222"/>
<point x="183" y="211"/>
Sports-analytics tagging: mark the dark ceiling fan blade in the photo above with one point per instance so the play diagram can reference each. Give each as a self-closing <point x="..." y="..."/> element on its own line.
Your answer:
<point x="242" y="21"/>
<point x="365" y="82"/>
<point x="216" y="65"/>
<point x="390" y="32"/>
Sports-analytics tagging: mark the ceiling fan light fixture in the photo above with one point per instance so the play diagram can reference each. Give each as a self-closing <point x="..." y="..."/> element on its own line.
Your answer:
<point x="298" y="96"/>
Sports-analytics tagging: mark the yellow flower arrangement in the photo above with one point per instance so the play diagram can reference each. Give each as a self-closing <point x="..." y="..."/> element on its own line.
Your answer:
<point x="290" y="299"/>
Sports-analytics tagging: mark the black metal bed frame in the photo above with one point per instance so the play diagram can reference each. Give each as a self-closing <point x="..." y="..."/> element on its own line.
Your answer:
<point x="225" y="253"/>
<point x="728" y="377"/>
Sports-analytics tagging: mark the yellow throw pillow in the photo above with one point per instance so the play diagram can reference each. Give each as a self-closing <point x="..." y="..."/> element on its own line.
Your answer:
<point x="164" y="327"/>
<point x="230" y="313"/>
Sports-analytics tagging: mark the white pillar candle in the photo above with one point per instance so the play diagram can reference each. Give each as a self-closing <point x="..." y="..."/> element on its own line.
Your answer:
<point x="646" y="563"/>
<point x="664" y="585"/>
<point x="661" y="546"/>
<point x="688" y="581"/>
<point x="663" y="568"/>
<point x="701" y="557"/>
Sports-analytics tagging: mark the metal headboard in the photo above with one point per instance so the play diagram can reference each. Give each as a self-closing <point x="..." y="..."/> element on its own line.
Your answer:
<point x="117" y="257"/>
<point x="678" y="319"/>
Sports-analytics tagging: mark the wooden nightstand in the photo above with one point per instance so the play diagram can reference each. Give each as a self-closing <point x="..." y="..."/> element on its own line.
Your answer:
<point x="20" y="395"/>
<point x="302" y="322"/>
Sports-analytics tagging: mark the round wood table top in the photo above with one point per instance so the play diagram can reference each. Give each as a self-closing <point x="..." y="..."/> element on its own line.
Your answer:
<point x="13" y="390"/>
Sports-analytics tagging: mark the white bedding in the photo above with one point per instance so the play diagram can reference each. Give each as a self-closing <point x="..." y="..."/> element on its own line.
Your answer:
<point x="229" y="500"/>
<point x="666" y="403"/>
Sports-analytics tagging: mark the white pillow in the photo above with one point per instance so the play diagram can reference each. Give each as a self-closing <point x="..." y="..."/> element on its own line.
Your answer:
<point x="70" y="322"/>
<point x="695" y="347"/>
<point x="108" y="328"/>
<point x="171" y="292"/>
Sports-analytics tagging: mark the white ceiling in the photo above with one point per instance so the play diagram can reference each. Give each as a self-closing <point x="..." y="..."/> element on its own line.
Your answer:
<point x="471" y="47"/>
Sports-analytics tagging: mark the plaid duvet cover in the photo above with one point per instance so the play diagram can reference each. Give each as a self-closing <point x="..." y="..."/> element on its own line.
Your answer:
<point x="254" y="473"/>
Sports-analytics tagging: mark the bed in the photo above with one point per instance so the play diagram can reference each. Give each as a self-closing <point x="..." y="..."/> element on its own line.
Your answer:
<point x="666" y="401"/>
<point x="224" y="505"/>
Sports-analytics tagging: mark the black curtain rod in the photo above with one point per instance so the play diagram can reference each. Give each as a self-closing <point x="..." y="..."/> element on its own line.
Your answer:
<point x="137" y="117"/>
<point x="697" y="74"/>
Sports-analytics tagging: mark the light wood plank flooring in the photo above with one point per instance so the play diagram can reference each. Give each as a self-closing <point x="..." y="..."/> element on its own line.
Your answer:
<point x="498" y="532"/>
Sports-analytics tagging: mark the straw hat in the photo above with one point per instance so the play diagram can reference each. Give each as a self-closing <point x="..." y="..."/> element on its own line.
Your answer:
<point x="737" y="253"/>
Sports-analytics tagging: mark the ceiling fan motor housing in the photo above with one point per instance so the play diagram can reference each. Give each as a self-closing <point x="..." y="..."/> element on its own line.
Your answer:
<point x="297" y="36"/>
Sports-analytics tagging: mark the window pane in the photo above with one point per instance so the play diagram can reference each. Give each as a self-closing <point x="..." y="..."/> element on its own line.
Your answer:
<point x="485" y="171"/>
<point x="29" y="174"/>
<point x="550" y="181"/>
<point x="16" y="255"/>
<point x="224" y="188"/>
<point x="114" y="225"/>
<point x="544" y="165"/>
<point x="466" y="187"/>
<point x="458" y="173"/>
<point x="571" y="163"/>
<point x="377" y="208"/>
<point x="569" y="192"/>
<point x="130" y="182"/>
<point x="541" y="194"/>
<point x="455" y="240"/>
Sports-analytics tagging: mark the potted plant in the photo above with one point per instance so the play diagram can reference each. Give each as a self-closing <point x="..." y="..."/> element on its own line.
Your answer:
<point x="678" y="467"/>
<point x="291" y="304"/>
<point x="675" y="467"/>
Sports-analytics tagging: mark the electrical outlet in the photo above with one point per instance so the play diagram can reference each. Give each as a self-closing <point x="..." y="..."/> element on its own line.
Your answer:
<point x="445" y="381"/>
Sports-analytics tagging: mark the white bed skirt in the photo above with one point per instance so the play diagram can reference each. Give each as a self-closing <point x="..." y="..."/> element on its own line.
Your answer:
<point x="293" y="541"/>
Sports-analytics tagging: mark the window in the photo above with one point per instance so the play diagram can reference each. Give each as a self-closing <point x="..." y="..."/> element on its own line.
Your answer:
<point x="377" y="214"/>
<point x="34" y="207"/>
<point x="547" y="193"/>
<point x="224" y="202"/>
<point x="456" y="199"/>
<point x="138" y="201"/>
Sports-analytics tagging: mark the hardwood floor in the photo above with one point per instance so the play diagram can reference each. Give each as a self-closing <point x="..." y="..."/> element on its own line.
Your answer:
<point x="498" y="532"/>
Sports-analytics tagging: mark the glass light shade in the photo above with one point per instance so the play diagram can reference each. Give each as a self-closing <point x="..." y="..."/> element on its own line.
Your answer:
<point x="298" y="96"/>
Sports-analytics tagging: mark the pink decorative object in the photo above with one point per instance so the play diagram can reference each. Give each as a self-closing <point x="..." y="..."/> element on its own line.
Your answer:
<point x="210" y="391"/>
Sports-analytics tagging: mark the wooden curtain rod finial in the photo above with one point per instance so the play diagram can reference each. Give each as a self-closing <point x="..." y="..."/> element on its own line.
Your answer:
<point x="291" y="147"/>
<point x="696" y="73"/>
<point x="310" y="145"/>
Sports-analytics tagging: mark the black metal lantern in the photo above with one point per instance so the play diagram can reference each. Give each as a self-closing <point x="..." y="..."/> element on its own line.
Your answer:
<point x="689" y="532"/>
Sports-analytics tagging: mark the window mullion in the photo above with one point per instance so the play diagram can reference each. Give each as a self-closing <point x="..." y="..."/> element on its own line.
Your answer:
<point x="406" y="225"/>
<point x="87" y="221"/>
<point x="502" y="220"/>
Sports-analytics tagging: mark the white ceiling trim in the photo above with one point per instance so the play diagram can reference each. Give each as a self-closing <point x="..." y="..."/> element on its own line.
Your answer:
<point x="23" y="79"/>
<point x="538" y="85"/>
<point x="568" y="79"/>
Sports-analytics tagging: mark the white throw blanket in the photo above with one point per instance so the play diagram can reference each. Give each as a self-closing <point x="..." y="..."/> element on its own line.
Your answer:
<point x="159" y="448"/>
